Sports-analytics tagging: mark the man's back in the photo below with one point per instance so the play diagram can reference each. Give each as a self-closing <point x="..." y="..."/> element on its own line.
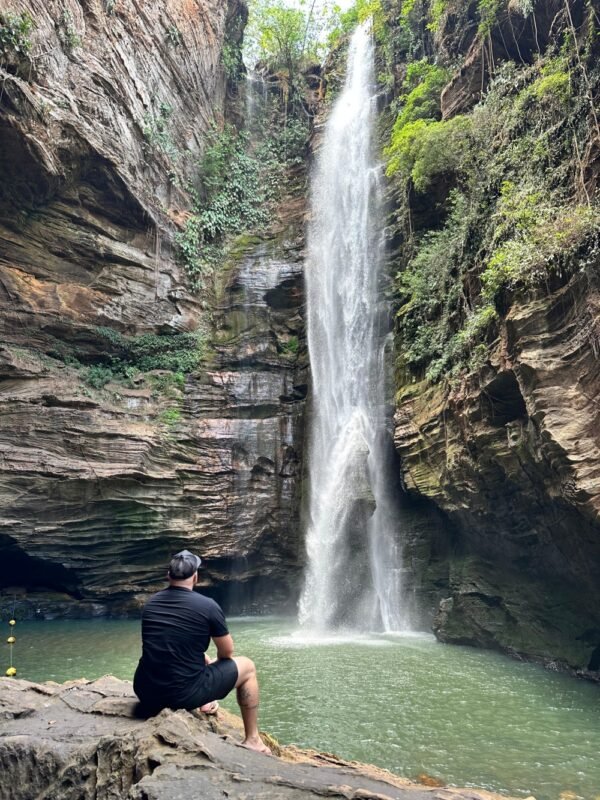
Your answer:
<point x="177" y="626"/>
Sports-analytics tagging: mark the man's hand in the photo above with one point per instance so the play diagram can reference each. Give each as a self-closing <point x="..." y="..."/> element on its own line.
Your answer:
<point x="224" y="645"/>
<point x="207" y="659"/>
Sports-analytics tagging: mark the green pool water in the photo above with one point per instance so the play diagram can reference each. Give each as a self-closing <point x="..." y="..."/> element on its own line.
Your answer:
<point x="407" y="703"/>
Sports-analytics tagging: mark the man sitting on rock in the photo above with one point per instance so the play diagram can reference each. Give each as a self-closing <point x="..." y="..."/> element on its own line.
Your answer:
<point x="174" y="670"/>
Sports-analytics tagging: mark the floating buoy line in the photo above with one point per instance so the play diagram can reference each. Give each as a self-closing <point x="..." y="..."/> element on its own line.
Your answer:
<point x="11" y="671"/>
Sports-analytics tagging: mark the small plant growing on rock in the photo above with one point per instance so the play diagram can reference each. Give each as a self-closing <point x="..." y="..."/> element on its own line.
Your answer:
<point x="174" y="37"/>
<point x="67" y="31"/>
<point x="15" y="42"/>
<point x="289" y="347"/>
<point x="156" y="130"/>
<point x="170" y="416"/>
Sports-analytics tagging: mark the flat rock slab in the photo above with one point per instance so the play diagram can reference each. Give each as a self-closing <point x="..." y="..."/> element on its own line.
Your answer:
<point x="84" y="740"/>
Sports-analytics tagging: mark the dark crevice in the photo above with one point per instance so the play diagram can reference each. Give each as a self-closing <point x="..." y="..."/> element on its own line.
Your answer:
<point x="502" y="400"/>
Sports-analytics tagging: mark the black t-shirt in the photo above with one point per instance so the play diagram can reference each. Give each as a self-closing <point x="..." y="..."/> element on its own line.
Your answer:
<point x="177" y="625"/>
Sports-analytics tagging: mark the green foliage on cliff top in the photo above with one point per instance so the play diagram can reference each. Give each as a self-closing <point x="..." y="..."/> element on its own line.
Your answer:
<point x="286" y="37"/>
<point x="493" y="202"/>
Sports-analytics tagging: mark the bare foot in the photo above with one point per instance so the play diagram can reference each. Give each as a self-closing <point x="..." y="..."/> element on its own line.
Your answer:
<point x="256" y="743"/>
<point x="210" y="708"/>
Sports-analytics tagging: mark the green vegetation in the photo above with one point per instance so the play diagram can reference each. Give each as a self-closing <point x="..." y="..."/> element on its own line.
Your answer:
<point x="174" y="37"/>
<point x="67" y="31"/>
<point x="493" y="202"/>
<point x="533" y="237"/>
<point x="232" y="61"/>
<point x="436" y="12"/>
<point x="234" y="200"/>
<point x="15" y="30"/>
<point x="170" y="416"/>
<point x="156" y="130"/>
<point x="285" y="39"/>
<point x="128" y="360"/>
<point x="356" y="14"/>
<point x="488" y="14"/>
<point x="421" y="146"/>
<point x="177" y="352"/>
<point x="240" y="181"/>
<point x="554" y="82"/>
<point x="289" y="347"/>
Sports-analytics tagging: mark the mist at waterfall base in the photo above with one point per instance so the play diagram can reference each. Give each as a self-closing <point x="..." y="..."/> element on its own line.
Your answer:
<point x="353" y="577"/>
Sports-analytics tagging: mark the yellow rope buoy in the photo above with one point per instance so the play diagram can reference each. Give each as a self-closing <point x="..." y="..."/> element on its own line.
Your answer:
<point x="11" y="671"/>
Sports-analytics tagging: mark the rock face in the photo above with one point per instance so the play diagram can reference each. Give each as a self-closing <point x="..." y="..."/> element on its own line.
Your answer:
<point x="513" y="459"/>
<point x="507" y="448"/>
<point x="99" y="126"/>
<point x="82" y="741"/>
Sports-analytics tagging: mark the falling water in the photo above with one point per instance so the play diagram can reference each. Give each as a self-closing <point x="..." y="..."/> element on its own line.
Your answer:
<point x="353" y="576"/>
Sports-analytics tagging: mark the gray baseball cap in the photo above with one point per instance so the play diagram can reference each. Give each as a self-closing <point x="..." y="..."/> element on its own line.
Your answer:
<point x="183" y="565"/>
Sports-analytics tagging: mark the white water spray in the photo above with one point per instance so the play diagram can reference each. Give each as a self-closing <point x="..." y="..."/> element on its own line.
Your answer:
<point x="354" y="569"/>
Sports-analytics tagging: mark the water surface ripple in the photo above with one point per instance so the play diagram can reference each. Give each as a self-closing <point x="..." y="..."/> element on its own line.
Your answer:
<point x="404" y="702"/>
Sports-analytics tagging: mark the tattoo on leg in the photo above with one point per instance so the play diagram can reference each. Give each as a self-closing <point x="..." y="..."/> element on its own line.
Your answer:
<point x="245" y="697"/>
<point x="244" y="693"/>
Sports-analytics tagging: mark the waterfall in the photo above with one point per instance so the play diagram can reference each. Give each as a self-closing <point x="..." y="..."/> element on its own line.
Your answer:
<point x="353" y="577"/>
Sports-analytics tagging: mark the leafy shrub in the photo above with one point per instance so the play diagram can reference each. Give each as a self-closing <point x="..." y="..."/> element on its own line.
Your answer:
<point x="98" y="375"/>
<point x="533" y="235"/>
<point x="424" y="82"/>
<point x="170" y="416"/>
<point x="240" y="181"/>
<point x="156" y="130"/>
<point x="423" y="149"/>
<point x="555" y="84"/>
<point x="422" y="146"/>
<point x="15" y="30"/>
<point x="289" y="347"/>
<point x="428" y="290"/>
<point x="178" y="352"/>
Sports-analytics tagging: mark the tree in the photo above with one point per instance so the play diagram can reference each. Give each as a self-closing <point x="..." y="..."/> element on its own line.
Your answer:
<point x="282" y="36"/>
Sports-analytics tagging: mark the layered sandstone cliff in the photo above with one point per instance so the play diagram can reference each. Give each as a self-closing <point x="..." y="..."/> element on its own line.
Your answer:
<point x="102" y="123"/>
<point x="507" y="444"/>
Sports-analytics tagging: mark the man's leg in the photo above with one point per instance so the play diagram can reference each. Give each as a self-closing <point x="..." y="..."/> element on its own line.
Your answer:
<point x="247" y="697"/>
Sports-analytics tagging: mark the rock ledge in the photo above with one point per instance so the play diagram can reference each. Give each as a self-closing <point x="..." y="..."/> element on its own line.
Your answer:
<point x="82" y="740"/>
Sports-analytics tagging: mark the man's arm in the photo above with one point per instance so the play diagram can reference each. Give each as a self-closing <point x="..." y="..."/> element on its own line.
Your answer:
<point x="224" y="645"/>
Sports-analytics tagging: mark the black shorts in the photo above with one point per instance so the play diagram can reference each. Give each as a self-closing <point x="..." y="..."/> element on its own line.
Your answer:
<point x="215" y="682"/>
<point x="218" y="679"/>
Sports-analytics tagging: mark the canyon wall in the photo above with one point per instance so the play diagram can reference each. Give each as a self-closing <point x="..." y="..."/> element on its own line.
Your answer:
<point x="104" y="118"/>
<point x="498" y="374"/>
